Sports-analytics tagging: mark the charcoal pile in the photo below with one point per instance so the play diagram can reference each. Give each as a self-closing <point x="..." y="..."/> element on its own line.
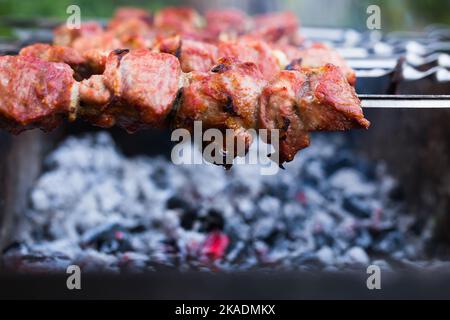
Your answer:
<point x="329" y="210"/>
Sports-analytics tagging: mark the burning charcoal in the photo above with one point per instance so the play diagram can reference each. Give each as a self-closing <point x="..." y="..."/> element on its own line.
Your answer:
<point x="358" y="206"/>
<point x="119" y="214"/>
<point x="93" y="261"/>
<point x="323" y="239"/>
<point x="364" y="239"/>
<point x="188" y="219"/>
<point x="133" y="262"/>
<point x="342" y="160"/>
<point x="18" y="260"/>
<point x="314" y="172"/>
<point x="397" y="193"/>
<point x="326" y="256"/>
<point x="368" y="170"/>
<point x="264" y="227"/>
<point x="107" y="238"/>
<point x="213" y="221"/>
<point x="309" y="260"/>
<point x="383" y="264"/>
<point x="239" y="188"/>
<point x="215" y="245"/>
<point x="159" y="177"/>
<point x="357" y="255"/>
<point x="233" y="255"/>
<point x="270" y="205"/>
<point x="176" y="202"/>
<point x="277" y="191"/>
<point x="311" y="197"/>
<point x="351" y="182"/>
<point x="14" y="247"/>
<point x="391" y="242"/>
<point x="246" y="207"/>
<point x="237" y="227"/>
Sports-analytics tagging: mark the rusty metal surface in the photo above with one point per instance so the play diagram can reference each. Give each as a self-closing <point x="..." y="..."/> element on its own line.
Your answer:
<point x="415" y="144"/>
<point x="253" y="285"/>
<point x="20" y="165"/>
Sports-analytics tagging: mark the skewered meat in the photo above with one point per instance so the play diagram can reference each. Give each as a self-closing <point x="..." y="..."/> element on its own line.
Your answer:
<point x="225" y="98"/>
<point x="227" y="24"/>
<point x="84" y="65"/>
<point x="65" y="36"/>
<point x="233" y="80"/>
<point x="256" y="51"/>
<point x="129" y="13"/>
<point x="102" y="41"/>
<point x="193" y="55"/>
<point x="178" y="19"/>
<point x="276" y="27"/>
<point x="319" y="54"/>
<point x="271" y="40"/>
<point x="142" y="89"/>
<point x="53" y="53"/>
<point x="35" y="93"/>
<point x="134" y="33"/>
<point x="309" y="99"/>
<point x="143" y="85"/>
<point x="200" y="56"/>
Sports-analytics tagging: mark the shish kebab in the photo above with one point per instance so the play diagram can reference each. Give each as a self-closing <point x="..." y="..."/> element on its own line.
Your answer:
<point x="101" y="98"/>
<point x="179" y="80"/>
<point x="152" y="90"/>
<point x="270" y="41"/>
<point x="142" y="89"/>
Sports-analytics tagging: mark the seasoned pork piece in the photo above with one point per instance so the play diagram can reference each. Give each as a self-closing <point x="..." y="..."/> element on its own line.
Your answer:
<point x="35" y="93"/>
<point x="144" y="86"/>
<point x="251" y="50"/>
<point x="106" y="41"/>
<point x="227" y="24"/>
<point x="178" y="19"/>
<point x="129" y="13"/>
<point x="53" y="53"/>
<point x="276" y="27"/>
<point x="65" y="36"/>
<point x="318" y="55"/>
<point x="134" y="33"/>
<point x="227" y="97"/>
<point x="309" y="99"/>
<point x="193" y="55"/>
<point x="84" y="65"/>
<point x="201" y="56"/>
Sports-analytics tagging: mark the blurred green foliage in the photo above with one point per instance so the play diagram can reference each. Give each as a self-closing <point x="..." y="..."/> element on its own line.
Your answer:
<point x="411" y="14"/>
<point x="396" y="14"/>
<point x="57" y="8"/>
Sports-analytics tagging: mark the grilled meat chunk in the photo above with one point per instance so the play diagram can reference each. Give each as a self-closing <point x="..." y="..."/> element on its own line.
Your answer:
<point x="227" y="97"/>
<point x="130" y="13"/>
<point x="53" y="53"/>
<point x="319" y="54"/>
<point x="143" y="87"/>
<point x="227" y="24"/>
<point x="35" y="93"/>
<point x="276" y="27"/>
<point x="65" y="36"/>
<point x="309" y="99"/>
<point x="178" y="20"/>
<point x="193" y="55"/>
<point x="256" y="51"/>
<point x="84" y="65"/>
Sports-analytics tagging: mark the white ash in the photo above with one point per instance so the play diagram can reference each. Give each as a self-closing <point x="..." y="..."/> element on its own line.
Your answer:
<point x="95" y="207"/>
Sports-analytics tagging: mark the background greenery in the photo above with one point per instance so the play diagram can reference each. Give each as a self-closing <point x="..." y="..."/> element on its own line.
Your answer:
<point x="396" y="14"/>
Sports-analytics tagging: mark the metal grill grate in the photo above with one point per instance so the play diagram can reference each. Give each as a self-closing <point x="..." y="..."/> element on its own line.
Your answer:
<point x="405" y="63"/>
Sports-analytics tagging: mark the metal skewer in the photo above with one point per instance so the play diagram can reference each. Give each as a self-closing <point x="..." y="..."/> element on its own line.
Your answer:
<point x="405" y="101"/>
